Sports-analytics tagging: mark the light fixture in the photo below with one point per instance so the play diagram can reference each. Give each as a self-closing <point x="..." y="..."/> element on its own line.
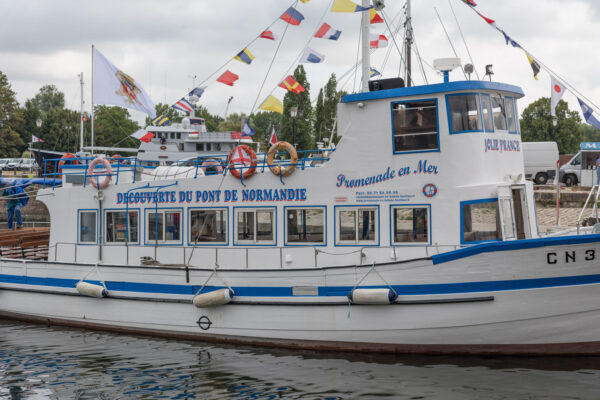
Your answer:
<point x="489" y="71"/>
<point x="469" y="69"/>
<point x="38" y="123"/>
<point x="294" y="111"/>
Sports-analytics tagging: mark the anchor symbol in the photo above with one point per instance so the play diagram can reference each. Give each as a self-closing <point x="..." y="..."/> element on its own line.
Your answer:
<point x="204" y="323"/>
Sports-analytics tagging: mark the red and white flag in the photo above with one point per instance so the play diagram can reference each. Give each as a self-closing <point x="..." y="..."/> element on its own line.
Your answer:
<point x="557" y="92"/>
<point x="378" y="41"/>
<point x="35" y="139"/>
<point x="143" y="135"/>
<point x="273" y="138"/>
<point x="268" y="35"/>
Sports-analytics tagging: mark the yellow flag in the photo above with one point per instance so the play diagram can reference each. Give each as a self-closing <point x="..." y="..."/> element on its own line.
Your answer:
<point x="305" y="1"/>
<point x="347" y="6"/>
<point x="272" y="103"/>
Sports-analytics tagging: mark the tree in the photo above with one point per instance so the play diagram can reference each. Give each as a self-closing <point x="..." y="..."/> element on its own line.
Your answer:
<point x="303" y="122"/>
<point x="49" y="97"/>
<point x="113" y="127"/>
<point x="212" y="121"/>
<point x="59" y="130"/>
<point x="331" y="98"/>
<point x="590" y="133"/>
<point x="164" y="109"/>
<point x="11" y="121"/>
<point x="319" y="124"/>
<point x="536" y="125"/>
<point x="264" y="122"/>
<point x="233" y="123"/>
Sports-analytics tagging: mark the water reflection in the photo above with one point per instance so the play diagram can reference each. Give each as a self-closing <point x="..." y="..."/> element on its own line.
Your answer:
<point x="55" y="363"/>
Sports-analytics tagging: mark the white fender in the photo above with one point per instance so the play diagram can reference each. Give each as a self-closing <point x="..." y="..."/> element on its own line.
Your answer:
<point x="89" y="289"/>
<point x="214" y="298"/>
<point x="372" y="296"/>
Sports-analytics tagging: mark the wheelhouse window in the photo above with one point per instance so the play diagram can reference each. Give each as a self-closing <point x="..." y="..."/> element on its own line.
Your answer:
<point x="415" y="126"/>
<point x="208" y="226"/>
<point x="410" y="225"/>
<point x="255" y="225"/>
<point x="87" y="226"/>
<point x="119" y="227"/>
<point x="305" y="225"/>
<point x="481" y="221"/>
<point x="464" y="113"/>
<point x="511" y="114"/>
<point x="357" y="225"/>
<point x="164" y="226"/>
<point x="499" y="113"/>
<point x="486" y="109"/>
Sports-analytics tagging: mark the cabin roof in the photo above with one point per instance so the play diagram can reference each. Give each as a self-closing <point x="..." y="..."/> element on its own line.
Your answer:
<point x="433" y="89"/>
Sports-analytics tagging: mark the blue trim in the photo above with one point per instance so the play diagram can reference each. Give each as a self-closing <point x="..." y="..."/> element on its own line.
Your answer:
<point x="77" y="228"/>
<point x="412" y="244"/>
<point x="513" y="245"/>
<point x="357" y="243"/>
<point x="452" y="132"/>
<point x="300" y="244"/>
<point x="107" y="210"/>
<point x="462" y="233"/>
<point x="437" y="122"/>
<point x="438" y="88"/>
<point x="211" y="244"/>
<point x="153" y="210"/>
<point x="255" y="243"/>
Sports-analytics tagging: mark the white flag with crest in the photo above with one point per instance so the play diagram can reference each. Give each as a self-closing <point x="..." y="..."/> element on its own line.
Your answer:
<point x="114" y="87"/>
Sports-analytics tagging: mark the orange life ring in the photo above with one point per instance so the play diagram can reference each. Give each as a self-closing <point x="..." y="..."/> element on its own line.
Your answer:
<point x="116" y="158"/>
<point x="100" y="184"/>
<point x="242" y="156"/>
<point x="63" y="161"/>
<point x="278" y="169"/>
<point x="210" y="165"/>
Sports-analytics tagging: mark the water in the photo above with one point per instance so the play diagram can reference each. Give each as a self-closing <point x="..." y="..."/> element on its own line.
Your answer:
<point x="38" y="362"/>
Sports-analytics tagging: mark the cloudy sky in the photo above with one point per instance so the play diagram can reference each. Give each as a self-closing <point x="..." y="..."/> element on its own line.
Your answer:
<point x="166" y="46"/>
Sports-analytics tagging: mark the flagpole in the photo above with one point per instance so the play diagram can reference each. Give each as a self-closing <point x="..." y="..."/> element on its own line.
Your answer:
<point x="92" y="131"/>
<point x="81" y="116"/>
<point x="366" y="41"/>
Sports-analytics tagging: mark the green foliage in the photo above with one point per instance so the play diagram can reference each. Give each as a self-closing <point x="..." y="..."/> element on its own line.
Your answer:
<point x="59" y="130"/>
<point x="264" y="122"/>
<point x="590" y="133"/>
<point x="212" y="121"/>
<point x="298" y="129"/>
<point x="49" y="97"/>
<point x="536" y="125"/>
<point x="171" y="113"/>
<point x="112" y="127"/>
<point x="233" y="123"/>
<point x="11" y="121"/>
<point x="319" y="123"/>
<point x="330" y="101"/>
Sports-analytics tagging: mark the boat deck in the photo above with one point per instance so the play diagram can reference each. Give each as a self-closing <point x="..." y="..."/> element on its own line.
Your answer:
<point x="25" y="243"/>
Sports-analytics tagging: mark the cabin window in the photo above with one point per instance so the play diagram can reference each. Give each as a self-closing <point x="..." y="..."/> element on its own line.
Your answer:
<point x="199" y="146"/>
<point x="464" y="113"/>
<point x="164" y="226"/>
<point x="510" y="114"/>
<point x="357" y="225"/>
<point x="87" y="226"/>
<point x="118" y="226"/>
<point x="415" y="126"/>
<point x="208" y="226"/>
<point x="486" y="109"/>
<point x="499" y="113"/>
<point x="305" y="225"/>
<point x="178" y="135"/>
<point x="480" y="221"/>
<point x="410" y="225"/>
<point x="255" y="225"/>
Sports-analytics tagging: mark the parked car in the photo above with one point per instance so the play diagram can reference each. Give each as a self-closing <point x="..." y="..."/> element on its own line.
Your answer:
<point x="28" y="164"/>
<point x="539" y="160"/>
<point x="3" y="163"/>
<point x="14" y="164"/>
<point x="581" y="169"/>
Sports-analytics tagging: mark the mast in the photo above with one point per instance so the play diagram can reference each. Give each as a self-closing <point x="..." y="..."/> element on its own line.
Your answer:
<point x="81" y="116"/>
<point x="408" y="44"/>
<point x="92" y="130"/>
<point x="366" y="41"/>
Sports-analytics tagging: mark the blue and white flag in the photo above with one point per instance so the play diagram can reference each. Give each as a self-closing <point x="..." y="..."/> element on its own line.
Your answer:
<point x="198" y="92"/>
<point x="588" y="114"/>
<point x="247" y="129"/>
<point x="312" y="56"/>
<point x="183" y="105"/>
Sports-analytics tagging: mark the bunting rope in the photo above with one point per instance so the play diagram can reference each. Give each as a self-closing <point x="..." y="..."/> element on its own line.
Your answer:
<point x="464" y="41"/>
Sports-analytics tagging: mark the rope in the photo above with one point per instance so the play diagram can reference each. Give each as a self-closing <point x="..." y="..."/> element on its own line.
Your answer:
<point x="372" y="269"/>
<point x="95" y="267"/>
<point x="214" y="272"/>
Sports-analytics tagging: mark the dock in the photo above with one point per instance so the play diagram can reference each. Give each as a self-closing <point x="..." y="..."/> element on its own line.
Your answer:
<point x="25" y="243"/>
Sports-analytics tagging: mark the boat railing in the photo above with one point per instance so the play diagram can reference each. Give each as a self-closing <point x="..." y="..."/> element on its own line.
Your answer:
<point x="594" y="192"/>
<point x="201" y="165"/>
<point x="245" y="257"/>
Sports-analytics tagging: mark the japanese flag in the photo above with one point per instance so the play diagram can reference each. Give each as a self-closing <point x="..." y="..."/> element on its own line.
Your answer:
<point x="273" y="138"/>
<point x="557" y="92"/>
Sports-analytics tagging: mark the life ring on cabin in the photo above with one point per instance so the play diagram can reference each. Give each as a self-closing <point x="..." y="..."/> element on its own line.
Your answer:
<point x="64" y="159"/>
<point x="278" y="169"/>
<point x="242" y="158"/>
<point x="91" y="173"/>
<point x="211" y="167"/>
<point x="116" y="158"/>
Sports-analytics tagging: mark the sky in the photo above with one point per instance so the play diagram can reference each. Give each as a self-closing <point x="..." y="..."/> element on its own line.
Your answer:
<point x="170" y="46"/>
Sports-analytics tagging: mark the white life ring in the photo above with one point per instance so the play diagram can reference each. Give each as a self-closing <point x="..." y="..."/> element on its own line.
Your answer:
<point x="105" y="181"/>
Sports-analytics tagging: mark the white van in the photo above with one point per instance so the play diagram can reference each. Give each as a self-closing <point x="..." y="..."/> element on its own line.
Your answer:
<point x="540" y="160"/>
<point x="581" y="169"/>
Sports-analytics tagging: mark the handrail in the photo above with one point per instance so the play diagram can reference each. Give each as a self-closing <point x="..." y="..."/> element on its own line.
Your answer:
<point x="596" y="188"/>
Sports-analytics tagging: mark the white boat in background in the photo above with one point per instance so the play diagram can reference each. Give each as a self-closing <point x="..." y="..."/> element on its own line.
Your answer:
<point x="417" y="235"/>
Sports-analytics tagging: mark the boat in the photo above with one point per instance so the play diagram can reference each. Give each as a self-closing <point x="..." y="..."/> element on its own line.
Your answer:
<point x="423" y="241"/>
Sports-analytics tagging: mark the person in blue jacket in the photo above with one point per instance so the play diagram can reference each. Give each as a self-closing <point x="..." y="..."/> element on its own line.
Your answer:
<point x="15" y="198"/>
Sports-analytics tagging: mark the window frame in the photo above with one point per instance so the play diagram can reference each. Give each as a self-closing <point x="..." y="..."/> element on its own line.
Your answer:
<point x="479" y="109"/>
<point x="485" y="128"/>
<point x="357" y="243"/>
<point x="393" y="243"/>
<point x="515" y="110"/>
<point x="105" y="226"/>
<point x="499" y="96"/>
<point x="304" y="244"/>
<point x="78" y="231"/>
<point x="477" y="201"/>
<point x="437" y="121"/>
<point x="207" y="244"/>
<point x="255" y="242"/>
<point x="151" y="210"/>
